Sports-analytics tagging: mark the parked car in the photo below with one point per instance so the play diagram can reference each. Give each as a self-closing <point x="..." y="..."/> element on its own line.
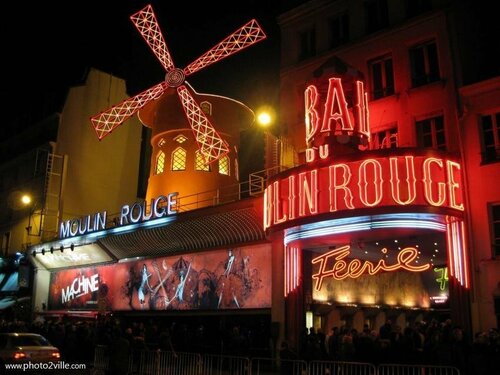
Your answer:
<point x="26" y="347"/>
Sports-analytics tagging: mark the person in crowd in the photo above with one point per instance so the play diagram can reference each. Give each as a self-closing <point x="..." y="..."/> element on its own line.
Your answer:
<point x="119" y="354"/>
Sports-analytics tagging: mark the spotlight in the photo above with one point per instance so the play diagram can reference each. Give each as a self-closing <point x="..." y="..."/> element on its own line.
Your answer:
<point x="34" y="253"/>
<point x="61" y="248"/>
<point x="72" y="247"/>
<point x="52" y="249"/>
<point x="43" y="251"/>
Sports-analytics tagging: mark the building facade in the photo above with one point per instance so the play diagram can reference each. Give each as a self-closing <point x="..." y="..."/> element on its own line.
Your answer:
<point x="61" y="180"/>
<point x="387" y="208"/>
<point x="412" y="61"/>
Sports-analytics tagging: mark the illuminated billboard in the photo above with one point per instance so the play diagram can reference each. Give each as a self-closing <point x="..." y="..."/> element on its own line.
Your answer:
<point x="237" y="278"/>
<point x="80" y="256"/>
<point x="340" y="278"/>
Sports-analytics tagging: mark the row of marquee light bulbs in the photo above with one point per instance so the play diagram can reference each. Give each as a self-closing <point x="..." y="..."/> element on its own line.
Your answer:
<point x="52" y="249"/>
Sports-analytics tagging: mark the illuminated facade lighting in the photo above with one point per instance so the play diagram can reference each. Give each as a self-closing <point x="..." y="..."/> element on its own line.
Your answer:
<point x="292" y="271"/>
<point x="363" y="223"/>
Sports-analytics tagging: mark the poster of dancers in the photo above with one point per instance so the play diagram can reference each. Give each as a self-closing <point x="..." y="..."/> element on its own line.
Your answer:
<point x="234" y="278"/>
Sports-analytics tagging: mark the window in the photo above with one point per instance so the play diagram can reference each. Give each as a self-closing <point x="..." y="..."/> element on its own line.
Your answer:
<point x="339" y="30"/>
<point x="495" y="228"/>
<point x="376" y="15"/>
<point x="206" y="107"/>
<point x="382" y="76"/>
<point x="199" y="162"/>
<point x="224" y="165"/>
<point x="384" y="139"/>
<point x="161" y="142"/>
<point x="179" y="159"/>
<point x="180" y="138"/>
<point x="307" y="46"/>
<point x="490" y="137"/>
<point x="430" y="133"/>
<point x="160" y="162"/>
<point x="424" y="64"/>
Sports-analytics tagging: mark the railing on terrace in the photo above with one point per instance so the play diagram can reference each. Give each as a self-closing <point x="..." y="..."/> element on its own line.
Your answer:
<point x="257" y="180"/>
<point x="254" y="187"/>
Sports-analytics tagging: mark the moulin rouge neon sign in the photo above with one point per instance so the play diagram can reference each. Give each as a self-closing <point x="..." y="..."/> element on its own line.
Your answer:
<point x="327" y="186"/>
<point x="332" y="264"/>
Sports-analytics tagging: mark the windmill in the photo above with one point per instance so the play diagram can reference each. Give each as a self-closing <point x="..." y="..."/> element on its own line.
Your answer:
<point x="211" y="145"/>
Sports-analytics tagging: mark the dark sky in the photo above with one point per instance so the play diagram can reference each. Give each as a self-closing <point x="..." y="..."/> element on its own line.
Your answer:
<point x="46" y="47"/>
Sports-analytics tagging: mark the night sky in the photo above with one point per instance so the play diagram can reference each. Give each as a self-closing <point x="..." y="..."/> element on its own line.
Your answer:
<point x="63" y="40"/>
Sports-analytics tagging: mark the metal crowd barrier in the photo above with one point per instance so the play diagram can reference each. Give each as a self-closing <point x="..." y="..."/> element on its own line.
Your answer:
<point x="397" y="369"/>
<point x="341" y="368"/>
<point x="151" y="362"/>
<point x="101" y="360"/>
<point x="213" y="364"/>
<point x="270" y="366"/>
<point x="166" y="363"/>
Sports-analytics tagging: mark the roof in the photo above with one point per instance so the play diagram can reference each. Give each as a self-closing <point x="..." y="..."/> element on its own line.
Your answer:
<point x="204" y="231"/>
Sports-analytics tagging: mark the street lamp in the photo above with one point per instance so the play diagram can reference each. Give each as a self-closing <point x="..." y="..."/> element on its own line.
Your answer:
<point x="28" y="201"/>
<point x="265" y="116"/>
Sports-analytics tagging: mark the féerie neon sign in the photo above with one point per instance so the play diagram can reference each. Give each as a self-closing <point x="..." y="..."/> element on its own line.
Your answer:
<point x="340" y="269"/>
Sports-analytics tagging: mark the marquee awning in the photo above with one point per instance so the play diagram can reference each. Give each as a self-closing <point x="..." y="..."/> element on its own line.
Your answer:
<point x="203" y="229"/>
<point x="226" y="225"/>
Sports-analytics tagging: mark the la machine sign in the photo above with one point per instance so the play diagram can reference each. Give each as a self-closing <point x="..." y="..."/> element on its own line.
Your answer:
<point x="326" y="184"/>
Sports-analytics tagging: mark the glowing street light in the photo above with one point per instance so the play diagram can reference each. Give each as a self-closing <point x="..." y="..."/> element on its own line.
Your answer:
<point x="265" y="116"/>
<point x="26" y="199"/>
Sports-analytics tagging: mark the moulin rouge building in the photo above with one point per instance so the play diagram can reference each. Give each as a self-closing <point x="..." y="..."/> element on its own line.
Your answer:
<point x="368" y="220"/>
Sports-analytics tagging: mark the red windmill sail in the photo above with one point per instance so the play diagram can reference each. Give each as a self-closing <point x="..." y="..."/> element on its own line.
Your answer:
<point x="210" y="143"/>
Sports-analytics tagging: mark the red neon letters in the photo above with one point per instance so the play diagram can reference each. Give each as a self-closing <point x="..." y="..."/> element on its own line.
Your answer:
<point x="374" y="182"/>
<point x="337" y="118"/>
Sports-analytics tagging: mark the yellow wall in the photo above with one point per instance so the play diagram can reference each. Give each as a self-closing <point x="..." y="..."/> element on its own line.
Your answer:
<point x="100" y="175"/>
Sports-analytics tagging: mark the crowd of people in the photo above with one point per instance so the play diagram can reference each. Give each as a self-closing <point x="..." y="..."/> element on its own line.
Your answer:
<point x="430" y="343"/>
<point x="76" y="339"/>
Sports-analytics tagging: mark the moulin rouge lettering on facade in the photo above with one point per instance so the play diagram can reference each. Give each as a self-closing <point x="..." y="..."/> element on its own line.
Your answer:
<point x="129" y="214"/>
<point x="423" y="179"/>
<point x="374" y="182"/>
<point x="80" y="286"/>
<point x="354" y="268"/>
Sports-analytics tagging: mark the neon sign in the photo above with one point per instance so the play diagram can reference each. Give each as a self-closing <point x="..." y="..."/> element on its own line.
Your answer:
<point x="341" y="269"/>
<point x="442" y="280"/>
<point x="374" y="182"/>
<point x="129" y="214"/>
<point x="421" y="179"/>
<point x="337" y="119"/>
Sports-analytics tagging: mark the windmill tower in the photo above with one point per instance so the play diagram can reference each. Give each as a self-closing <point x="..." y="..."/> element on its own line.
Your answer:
<point x="189" y="155"/>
